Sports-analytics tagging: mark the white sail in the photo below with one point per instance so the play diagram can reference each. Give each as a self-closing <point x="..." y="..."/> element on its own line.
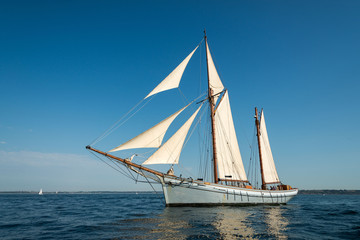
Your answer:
<point x="41" y="192"/>
<point x="151" y="138"/>
<point x="268" y="165"/>
<point x="169" y="153"/>
<point x="227" y="147"/>
<point x="214" y="79"/>
<point x="173" y="79"/>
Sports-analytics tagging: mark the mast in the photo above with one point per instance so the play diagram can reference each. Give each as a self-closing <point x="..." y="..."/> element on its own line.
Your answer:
<point x="257" y="123"/>
<point x="212" y="114"/>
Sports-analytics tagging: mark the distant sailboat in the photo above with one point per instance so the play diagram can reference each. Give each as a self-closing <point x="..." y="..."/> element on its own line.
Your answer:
<point x="229" y="184"/>
<point x="41" y="192"/>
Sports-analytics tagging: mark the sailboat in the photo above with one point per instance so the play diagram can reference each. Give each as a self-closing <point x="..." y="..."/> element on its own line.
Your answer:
<point x="229" y="184"/>
<point x="41" y="192"/>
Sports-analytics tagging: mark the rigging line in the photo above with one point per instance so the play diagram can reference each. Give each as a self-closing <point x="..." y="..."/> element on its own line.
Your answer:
<point x="229" y="146"/>
<point x="183" y="170"/>
<point x="118" y="165"/>
<point x="107" y="163"/>
<point x="243" y="130"/>
<point x="203" y="146"/>
<point x="117" y="122"/>
<point x="186" y="141"/>
<point x="112" y="130"/>
<point x="144" y="154"/>
<point x="185" y="100"/>
<point x="250" y="166"/>
<point x="214" y="61"/>
<point x="181" y="93"/>
<point x="202" y="142"/>
<point x="113" y="127"/>
<point x="151" y="185"/>
<point x="128" y="168"/>
<point x="193" y="129"/>
<point x="200" y="68"/>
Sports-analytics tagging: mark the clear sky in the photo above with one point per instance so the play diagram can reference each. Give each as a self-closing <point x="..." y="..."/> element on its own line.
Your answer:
<point x="70" y="69"/>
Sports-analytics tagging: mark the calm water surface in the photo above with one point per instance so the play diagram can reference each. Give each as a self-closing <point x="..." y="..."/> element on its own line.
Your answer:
<point x="143" y="216"/>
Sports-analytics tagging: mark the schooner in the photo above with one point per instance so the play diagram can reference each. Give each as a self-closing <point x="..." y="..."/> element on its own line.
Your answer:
<point x="229" y="184"/>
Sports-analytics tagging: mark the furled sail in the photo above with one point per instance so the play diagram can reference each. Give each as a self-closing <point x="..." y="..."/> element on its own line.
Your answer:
<point x="173" y="79"/>
<point x="270" y="173"/>
<point x="169" y="152"/>
<point x="151" y="138"/>
<point x="230" y="165"/>
<point x="214" y="79"/>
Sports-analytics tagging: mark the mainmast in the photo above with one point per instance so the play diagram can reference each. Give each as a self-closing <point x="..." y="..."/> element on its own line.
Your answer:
<point x="212" y="115"/>
<point x="257" y="123"/>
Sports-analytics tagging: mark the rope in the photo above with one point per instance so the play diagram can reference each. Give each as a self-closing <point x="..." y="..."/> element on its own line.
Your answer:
<point x="152" y="186"/>
<point x="108" y="164"/>
<point x="117" y="124"/>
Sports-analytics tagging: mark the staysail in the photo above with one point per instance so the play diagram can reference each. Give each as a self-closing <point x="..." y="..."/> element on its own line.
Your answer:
<point x="214" y="80"/>
<point x="169" y="152"/>
<point x="151" y="138"/>
<point x="270" y="174"/>
<point x="173" y="79"/>
<point x="230" y="165"/>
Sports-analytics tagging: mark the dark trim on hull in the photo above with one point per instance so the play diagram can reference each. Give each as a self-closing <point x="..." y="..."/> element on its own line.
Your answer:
<point x="220" y="204"/>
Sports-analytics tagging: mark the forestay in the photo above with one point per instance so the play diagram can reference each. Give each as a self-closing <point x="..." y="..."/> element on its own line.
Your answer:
<point x="173" y="79"/>
<point x="169" y="152"/>
<point x="151" y="138"/>
<point x="268" y="165"/>
<point x="227" y="147"/>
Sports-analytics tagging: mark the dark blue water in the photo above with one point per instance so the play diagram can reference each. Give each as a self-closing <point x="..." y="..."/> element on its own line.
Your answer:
<point x="143" y="216"/>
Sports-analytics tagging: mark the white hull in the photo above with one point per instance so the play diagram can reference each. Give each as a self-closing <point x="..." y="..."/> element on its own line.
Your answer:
<point x="197" y="193"/>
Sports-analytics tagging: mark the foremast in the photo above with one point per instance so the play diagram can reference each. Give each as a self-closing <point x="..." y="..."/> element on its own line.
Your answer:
<point x="212" y="116"/>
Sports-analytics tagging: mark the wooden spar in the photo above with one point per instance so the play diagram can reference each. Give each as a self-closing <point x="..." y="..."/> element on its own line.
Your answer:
<point x="257" y="123"/>
<point x="212" y="114"/>
<point x="126" y="162"/>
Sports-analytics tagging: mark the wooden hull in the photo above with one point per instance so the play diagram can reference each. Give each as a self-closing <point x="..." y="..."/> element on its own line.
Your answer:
<point x="199" y="194"/>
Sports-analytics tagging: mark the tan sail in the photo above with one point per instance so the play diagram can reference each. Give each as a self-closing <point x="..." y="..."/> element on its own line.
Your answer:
<point x="151" y="138"/>
<point x="270" y="174"/>
<point x="214" y="79"/>
<point x="169" y="152"/>
<point x="173" y="79"/>
<point x="228" y="152"/>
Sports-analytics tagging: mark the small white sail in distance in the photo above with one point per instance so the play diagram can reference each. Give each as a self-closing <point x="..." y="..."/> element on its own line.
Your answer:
<point x="41" y="192"/>
<point x="169" y="152"/>
<point x="151" y="138"/>
<point x="270" y="173"/>
<point x="173" y="79"/>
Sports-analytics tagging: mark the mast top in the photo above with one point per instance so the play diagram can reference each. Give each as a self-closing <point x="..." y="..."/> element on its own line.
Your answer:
<point x="204" y="33"/>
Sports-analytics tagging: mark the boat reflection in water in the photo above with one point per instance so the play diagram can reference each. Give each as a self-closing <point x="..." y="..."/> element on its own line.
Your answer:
<point x="222" y="223"/>
<point x="234" y="223"/>
<point x="276" y="222"/>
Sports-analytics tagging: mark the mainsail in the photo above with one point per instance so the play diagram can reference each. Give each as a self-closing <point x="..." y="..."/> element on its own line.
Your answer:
<point x="173" y="79"/>
<point x="169" y="153"/>
<point x="214" y="80"/>
<point x="268" y="165"/>
<point x="230" y="164"/>
<point x="151" y="138"/>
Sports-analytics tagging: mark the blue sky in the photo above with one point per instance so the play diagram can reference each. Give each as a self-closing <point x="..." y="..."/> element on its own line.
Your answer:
<point x="70" y="69"/>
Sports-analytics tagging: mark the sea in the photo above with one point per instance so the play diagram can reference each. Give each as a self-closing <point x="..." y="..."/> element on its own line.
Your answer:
<point x="144" y="216"/>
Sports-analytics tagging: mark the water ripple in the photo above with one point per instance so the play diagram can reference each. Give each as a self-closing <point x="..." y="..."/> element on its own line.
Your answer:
<point x="143" y="216"/>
